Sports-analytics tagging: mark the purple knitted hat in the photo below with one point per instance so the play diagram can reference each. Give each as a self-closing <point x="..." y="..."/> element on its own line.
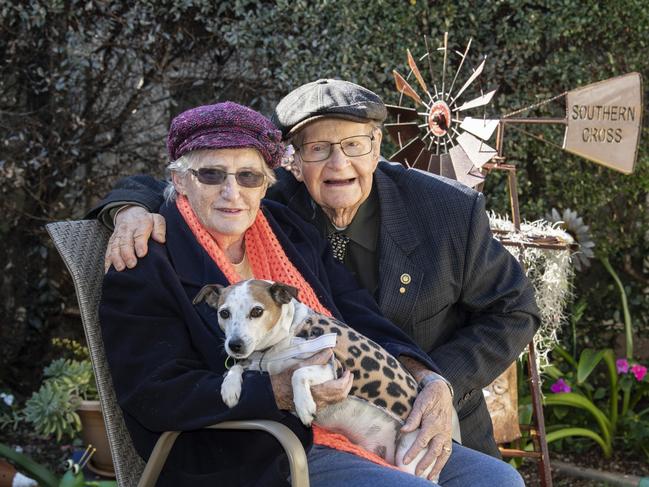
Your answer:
<point x="225" y="126"/>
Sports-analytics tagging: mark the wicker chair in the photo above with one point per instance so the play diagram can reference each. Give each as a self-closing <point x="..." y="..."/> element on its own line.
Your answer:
<point x="82" y="245"/>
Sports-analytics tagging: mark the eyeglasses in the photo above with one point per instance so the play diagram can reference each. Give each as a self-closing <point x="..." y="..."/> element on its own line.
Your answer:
<point x="245" y="178"/>
<point x="355" y="146"/>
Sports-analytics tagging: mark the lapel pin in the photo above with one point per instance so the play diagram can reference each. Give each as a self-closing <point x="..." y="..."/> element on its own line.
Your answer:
<point x="405" y="279"/>
<point x="402" y="290"/>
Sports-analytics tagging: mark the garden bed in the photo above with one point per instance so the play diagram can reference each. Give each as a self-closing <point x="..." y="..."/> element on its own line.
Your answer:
<point x="621" y="463"/>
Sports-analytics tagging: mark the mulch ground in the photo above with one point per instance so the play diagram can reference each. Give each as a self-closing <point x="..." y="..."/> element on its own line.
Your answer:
<point x="620" y="463"/>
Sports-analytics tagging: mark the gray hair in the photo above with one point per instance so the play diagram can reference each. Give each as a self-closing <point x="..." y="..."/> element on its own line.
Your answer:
<point x="184" y="163"/>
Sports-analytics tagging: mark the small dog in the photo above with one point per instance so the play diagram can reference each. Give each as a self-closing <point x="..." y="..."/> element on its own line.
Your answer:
<point x="266" y="328"/>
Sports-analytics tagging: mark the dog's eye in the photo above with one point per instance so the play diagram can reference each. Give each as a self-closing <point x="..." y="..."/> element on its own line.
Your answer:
<point x="256" y="312"/>
<point x="224" y="313"/>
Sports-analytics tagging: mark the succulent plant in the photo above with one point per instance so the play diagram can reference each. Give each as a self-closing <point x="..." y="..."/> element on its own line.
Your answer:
<point x="51" y="410"/>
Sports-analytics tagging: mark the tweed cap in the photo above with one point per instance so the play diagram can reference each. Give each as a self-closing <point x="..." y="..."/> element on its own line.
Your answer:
<point x="225" y="125"/>
<point x="327" y="98"/>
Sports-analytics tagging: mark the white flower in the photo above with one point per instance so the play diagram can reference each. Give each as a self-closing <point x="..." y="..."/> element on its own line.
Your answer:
<point x="7" y="398"/>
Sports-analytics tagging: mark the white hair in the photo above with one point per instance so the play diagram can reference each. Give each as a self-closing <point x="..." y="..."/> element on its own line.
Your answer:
<point x="184" y="163"/>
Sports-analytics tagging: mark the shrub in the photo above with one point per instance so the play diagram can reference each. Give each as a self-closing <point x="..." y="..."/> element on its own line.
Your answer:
<point x="87" y="90"/>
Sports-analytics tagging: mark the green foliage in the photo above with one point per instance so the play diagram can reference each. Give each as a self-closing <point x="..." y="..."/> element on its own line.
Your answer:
<point x="636" y="427"/>
<point x="602" y="404"/>
<point x="40" y="473"/>
<point x="52" y="409"/>
<point x="71" y="348"/>
<point x="87" y="90"/>
<point x="73" y="477"/>
<point x="583" y="397"/>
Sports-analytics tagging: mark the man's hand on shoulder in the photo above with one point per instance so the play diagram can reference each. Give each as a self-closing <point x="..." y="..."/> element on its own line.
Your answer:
<point x="134" y="226"/>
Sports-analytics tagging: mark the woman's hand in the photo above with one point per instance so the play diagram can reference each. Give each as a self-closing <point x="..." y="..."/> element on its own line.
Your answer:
<point x="329" y="392"/>
<point x="134" y="226"/>
<point x="432" y="412"/>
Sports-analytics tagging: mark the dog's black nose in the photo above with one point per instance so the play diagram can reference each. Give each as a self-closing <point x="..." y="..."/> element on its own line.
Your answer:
<point x="236" y="345"/>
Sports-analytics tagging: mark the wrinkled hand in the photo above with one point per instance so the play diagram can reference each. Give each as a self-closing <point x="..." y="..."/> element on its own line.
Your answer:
<point x="332" y="391"/>
<point x="134" y="226"/>
<point x="432" y="412"/>
<point x="329" y="392"/>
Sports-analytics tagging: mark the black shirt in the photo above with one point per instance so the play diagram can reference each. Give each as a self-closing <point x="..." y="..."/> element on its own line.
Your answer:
<point x="361" y="257"/>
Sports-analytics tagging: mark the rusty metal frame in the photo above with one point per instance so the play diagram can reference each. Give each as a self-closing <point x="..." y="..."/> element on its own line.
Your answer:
<point x="537" y="431"/>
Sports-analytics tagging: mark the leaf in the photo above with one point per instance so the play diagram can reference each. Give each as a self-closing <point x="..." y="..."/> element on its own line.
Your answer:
<point x="570" y="432"/>
<point x="560" y="412"/>
<point x="588" y="360"/>
<point x="40" y="473"/>
<point x="553" y="371"/>
<point x="566" y="356"/>
<point x="575" y="400"/>
<point x="600" y="393"/>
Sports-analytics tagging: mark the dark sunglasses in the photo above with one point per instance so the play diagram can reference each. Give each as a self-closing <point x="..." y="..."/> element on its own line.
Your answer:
<point x="245" y="178"/>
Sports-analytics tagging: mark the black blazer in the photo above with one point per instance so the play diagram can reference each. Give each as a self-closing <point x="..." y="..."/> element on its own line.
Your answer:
<point x="167" y="359"/>
<point x="468" y="303"/>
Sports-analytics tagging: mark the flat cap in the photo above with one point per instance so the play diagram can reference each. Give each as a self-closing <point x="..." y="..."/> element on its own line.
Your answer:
<point x="327" y="98"/>
<point x="226" y="125"/>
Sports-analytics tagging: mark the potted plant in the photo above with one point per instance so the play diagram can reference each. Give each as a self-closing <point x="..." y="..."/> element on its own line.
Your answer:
<point x="67" y="404"/>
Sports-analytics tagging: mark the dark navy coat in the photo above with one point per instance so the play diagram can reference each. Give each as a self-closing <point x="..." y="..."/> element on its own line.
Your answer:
<point x="167" y="358"/>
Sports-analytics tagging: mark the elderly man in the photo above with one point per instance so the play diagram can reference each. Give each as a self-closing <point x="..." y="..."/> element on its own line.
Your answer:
<point x="420" y="243"/>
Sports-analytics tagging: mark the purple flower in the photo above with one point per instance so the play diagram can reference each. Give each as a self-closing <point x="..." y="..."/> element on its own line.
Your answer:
<point x="639" y="371"/>
<point x="561" y="386"/>
<point x="622" y="365"/>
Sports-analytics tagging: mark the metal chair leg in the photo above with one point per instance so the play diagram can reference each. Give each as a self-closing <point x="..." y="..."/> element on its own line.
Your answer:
<point x="291" y="444"/>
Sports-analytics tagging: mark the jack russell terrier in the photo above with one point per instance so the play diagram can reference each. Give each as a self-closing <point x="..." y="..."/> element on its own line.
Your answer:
<point x="267" y="329"/>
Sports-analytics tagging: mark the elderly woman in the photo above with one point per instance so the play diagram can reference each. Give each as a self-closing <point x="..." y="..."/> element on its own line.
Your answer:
<point x="167" y="356"/>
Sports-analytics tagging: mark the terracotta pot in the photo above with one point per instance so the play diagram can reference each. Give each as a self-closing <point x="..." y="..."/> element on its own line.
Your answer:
<point x="10" y="478"/>
<point x="93" y="432"/>
<point x="7" y="474"/>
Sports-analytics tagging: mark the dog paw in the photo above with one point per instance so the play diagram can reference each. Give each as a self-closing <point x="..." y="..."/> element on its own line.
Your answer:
<point x="305" y="408"/>
<point x="231" y="387"/>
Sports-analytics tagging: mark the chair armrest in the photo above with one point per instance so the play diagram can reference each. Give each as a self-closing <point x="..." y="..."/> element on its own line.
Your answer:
<point x="290" y="443"/>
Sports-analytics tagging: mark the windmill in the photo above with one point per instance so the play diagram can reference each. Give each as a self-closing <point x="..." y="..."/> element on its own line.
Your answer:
<point x="438" y="135"/>
<point x="447" y="132"/>
<point x="442" y="134"/>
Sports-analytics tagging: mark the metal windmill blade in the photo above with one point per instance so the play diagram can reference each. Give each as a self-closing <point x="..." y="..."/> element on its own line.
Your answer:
<point x="447" y="142"/>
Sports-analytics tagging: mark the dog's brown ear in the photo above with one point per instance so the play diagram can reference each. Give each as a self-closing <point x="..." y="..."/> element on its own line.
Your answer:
<point x="282" y="293"/>
<point x="210" y="294"/>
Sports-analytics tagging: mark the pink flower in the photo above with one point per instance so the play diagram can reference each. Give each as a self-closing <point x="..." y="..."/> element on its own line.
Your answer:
<point x="639" y="371"/>
<point x="561" y="386"/>
<point x="622" y="365"/>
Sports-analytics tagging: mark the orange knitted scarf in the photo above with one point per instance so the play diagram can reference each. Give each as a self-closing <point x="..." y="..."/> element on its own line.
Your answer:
<point x="269" y="261"/>
<point x="265" y="254"/>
